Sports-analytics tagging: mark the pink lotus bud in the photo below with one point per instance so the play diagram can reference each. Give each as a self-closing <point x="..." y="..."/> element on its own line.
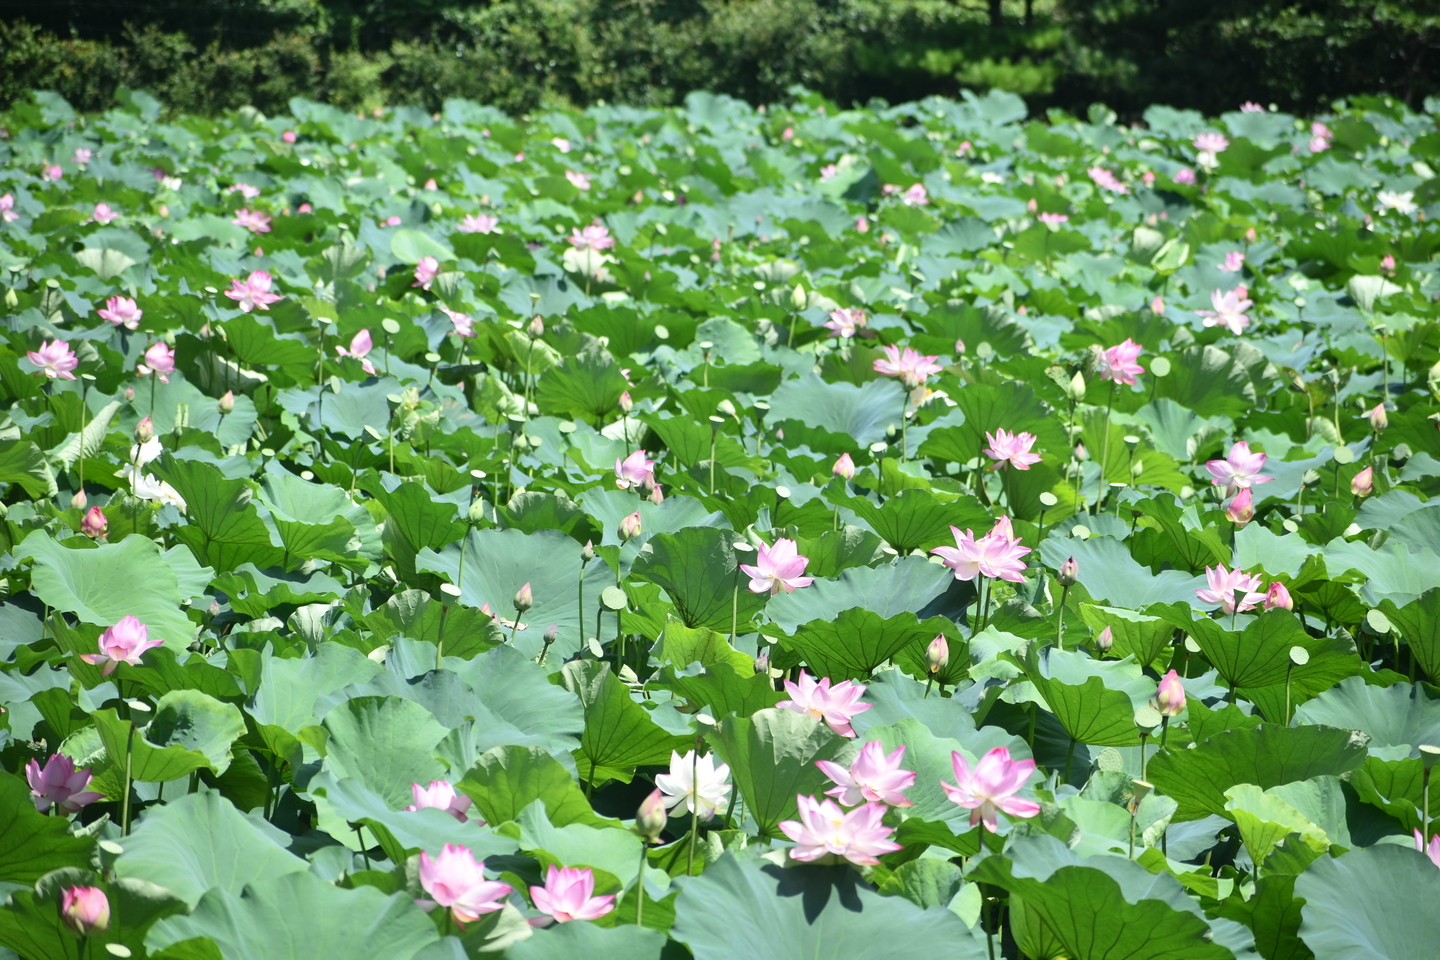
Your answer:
<point x="959" y="348"/>
<point x="1069" y="573"/>
<point x="937" y="655"/>
<point x="1364" y="483"/>
<point x="1033" y="205"/>
<point x="1105" y="639"/>
<point x="1081" y="453"/>
<point x="524" y="598"/>
<point x="862" y="225"/>
<point x="1379" y="420"/>
<point x="630" y="526"/>
<point x="86" y="910"/>
<point x="94" y="525"/>
<point x="430" y="184"/>
<point x="129" y="393"/>
<point x="1241" y="508"/>
<point x="1170" y="698"/>
<point x="844" y="467"/>
<point x="656" y="496"/>
<point x="536" y="328"/>
<point x="651" y="819"/>
<point x="552" y="633"/>
<point x="1387" y="263"/>
<point x="1157" y="306"/>
<point x="587" y="552"/>
<point x="626" y="404"/>
<point x="288" y="136"/>
<point x="1250" y="235"/>
<point x="79" y="501"/>
<point x="144" y="430"/>
<point x="762" y="663"/>
<point x="226" y="404"/>
<point x="1278" y="596"/>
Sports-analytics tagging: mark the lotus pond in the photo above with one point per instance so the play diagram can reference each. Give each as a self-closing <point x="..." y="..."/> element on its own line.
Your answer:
<point x="719" y="532"/>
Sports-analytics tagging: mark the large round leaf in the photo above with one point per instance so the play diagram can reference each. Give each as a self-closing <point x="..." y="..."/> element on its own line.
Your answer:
<point x="1371" y="903"/>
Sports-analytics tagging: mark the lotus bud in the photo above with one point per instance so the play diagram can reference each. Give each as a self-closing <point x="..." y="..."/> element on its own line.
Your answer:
<point x="630" y="526"/>
<point x="727" y="408"/>
<point x="651" y="819"/>
<point x="226" y="404"/>
<point x="536" y="328"/>
<point x="656" y="496"/>
<point x="1379" y="420"/>
<point x="587" y="552"/>
<point x="937" y="655"/>
<point x="1251" y="236"/>
<point x="95" y="524"/>
<point x="552" y="633"/>
<point x="1170" y="698"/>
<point x="762" y="663"/>
<point x="1278" y="596"/>
<point x="86" y="910"/>
<point x="1081" y="453"/>
<point x="1105" y="639"/>
<point x="1241" y="508"/>
<point x="1069" y="573"/>
<point x="959" y="348"/>
<point x="1076" y="390"/>
<point x="144" y="430"/>
<point x="524" y="598"/>
<point x="844" y="467"/>
<point x="626" y="404"/>
<point x="130" y="394"/>
<point x="1364" y="483"/>
<point x="476" y="513"/>
<point x="1157" y="306"/>
<point x="79" y="501"/>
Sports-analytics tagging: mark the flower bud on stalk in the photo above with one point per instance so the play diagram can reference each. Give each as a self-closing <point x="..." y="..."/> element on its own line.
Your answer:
<point x="476" y="513"/>
<point x="86" y="910"/>
<point x="79" y="501"/>
<point x="656" y="497"/>
<point x="762" y="664"/>
<point x="587" y="552"/>
<point x="144" y="430"/>
<point x="937" y="655"/>
<point x="1278" y="596"/>
<point x="1241" y="508"/>
<point x="626" y="404"/>
<point x="651" y="819"/>
<point x="1069" y="573"/>
<point x="1379" y="419"/>
<point x="1364" y="483"/>
<point x="524" y="598"/>
<point x="1104" y="640"/>
<point x="226" y="404"/>
<point x="630" y="526"/>
<point x="95" y="524"/>
<point x="536" y="328"/>
<point x="1170" y="698"/>
<point x="844" y="467"/>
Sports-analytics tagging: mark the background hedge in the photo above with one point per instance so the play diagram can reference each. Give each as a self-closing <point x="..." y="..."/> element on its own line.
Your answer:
<point x="209" y="55"/>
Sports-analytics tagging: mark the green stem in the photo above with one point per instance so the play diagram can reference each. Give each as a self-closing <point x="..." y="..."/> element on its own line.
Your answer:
<point x="125" y="799"/>
<point x="364" y="853"/>
<point x="640" y="889"/>
<point x="694" y="812"/>
<point x="1069" y="757"/>
<point x="904" y="425"/>
<point x="1104" y="451"/>
<point x="1060" y="618"/>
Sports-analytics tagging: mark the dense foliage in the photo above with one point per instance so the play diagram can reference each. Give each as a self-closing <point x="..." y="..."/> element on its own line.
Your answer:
<point x="213" y="55"/>
<point x="388" y="495"/>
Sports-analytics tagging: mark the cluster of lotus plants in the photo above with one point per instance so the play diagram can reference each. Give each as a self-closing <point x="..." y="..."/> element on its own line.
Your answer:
<point x="719" y="532"/>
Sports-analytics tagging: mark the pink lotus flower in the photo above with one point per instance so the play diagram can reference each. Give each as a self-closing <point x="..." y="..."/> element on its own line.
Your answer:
<point x="1431" y="850"/>
<point x="777" y="568"/>
<point x="634" y="471"/>
<point x="1170" y="696"/>
<point x="1148" y="178"/>
<point x="1363" y="483"/>
<point x="125" y="642"/>
<point x="1229" y="310"/>
<point x="1234" y="260"/>
<point x="1241" y="508"/>
<point x="425" y="272"/>
<point x="1011" y="449"/>
<point x="103" y="214"/>
<point x="844" y="467"/>
<point x="1210" y="142"/>
<point x="1157" y="306"/>
<point x="83" y="155"/>
<point x="1118" y="362"/>
<point x="245" y="190"/>
<point x="914" y="196"/>
<point x="253" y="292"/>
<point x="579" y="180"/>
<point x="1277" y="597"/>
<point x="159" y="360"/>
<point x="828" y="172"/>
<point x="1319" y="144"/>
<point x="59" y="784"/>
<point x="1184" y="175"/>
<point x="1387" y="264"/>
<point x="457" y="882"/>
<point x="55" y="359"/>
<point x="695" y="785"/>
<point x="440" y="795"/>
<point x="845" y="321"/>
<point x="1105" y="180"/>
<point x="1239" y="469"/>
<point x="95" y="524"/>
<point x="479" y="223"/>
<point x="252" y="220"/>
<point x="86" y="910"/>
<point x="1249" y="106"/>
<point x="52" y="173"/>
<point x="997" y="554"/>
<point x="826" y="831"/>
<point x="836" y="706"/>
<point x="594" y="237"/>
<point x="1223" y="586"/>
<point x="631" y="527"/>
<point x="7" y="208"/>
<point x="431" y="185"/>
<point x="464" y="323"/>
<point x="1053" y="219"/>
<point x="862" y="225"/>
<point x="288" y="136"/>
<point x="304" y="208"/>
<point x="121" y="311"/>
<point x="872" y="777"/>
<point x="912" y="367"/>
<point x="360" y="347"/>
<point x="391" y="221"/>
<point x="991" y="787"/>
<point x="567" y="895"/>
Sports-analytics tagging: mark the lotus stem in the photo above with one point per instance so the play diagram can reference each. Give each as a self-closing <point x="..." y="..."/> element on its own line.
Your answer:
<point x="1104" y="452"/>
<point x="640" y="888"/>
